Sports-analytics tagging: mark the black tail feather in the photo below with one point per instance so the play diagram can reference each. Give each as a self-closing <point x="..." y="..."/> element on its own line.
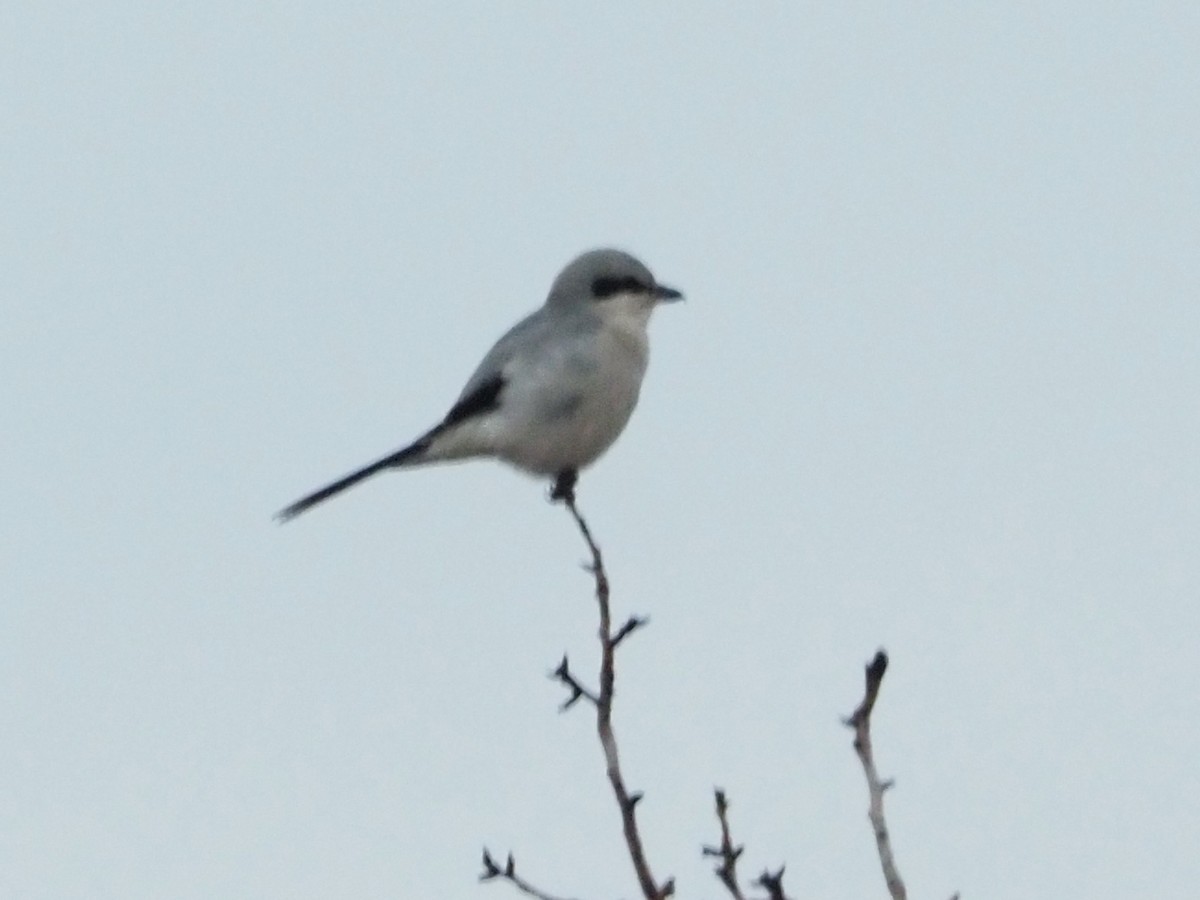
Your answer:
<point x="395" y="459"/>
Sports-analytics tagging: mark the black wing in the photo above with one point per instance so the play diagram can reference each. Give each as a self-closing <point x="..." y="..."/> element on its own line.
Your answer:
<point x="483" y="399"/>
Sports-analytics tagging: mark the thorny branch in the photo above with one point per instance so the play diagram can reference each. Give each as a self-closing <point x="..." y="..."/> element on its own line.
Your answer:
<point x="860" y="721"/>
<point x="603" y="701"/>
<point x="578" y="691"/>
<point x="509" y="873"/>
<point x="729" y="853"/>
<point x="772" y="883"/>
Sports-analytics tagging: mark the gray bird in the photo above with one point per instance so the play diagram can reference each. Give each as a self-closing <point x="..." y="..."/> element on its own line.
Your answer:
<point x="556" y="391"/>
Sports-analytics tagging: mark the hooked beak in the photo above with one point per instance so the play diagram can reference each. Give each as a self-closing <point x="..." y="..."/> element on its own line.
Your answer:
<point x="664" y="294"/>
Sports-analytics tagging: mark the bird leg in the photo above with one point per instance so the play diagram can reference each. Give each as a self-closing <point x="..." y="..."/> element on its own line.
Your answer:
<point x="564" y="486"/>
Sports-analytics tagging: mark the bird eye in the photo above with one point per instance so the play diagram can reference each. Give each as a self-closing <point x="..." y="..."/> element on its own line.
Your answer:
<point x="606" y="286"/>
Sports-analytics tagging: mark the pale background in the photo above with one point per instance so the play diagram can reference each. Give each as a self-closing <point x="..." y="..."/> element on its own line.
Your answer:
<point x="934" y="388"/>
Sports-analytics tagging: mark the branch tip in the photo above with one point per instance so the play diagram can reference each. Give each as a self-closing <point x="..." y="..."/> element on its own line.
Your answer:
<point x="772" y="883"/>
<point x="873" y="674"/>
<point x="632" y="624"/>
<point x="490" y="869"/>
<point x="877" y="666"/>
<point x="563" y="675"/>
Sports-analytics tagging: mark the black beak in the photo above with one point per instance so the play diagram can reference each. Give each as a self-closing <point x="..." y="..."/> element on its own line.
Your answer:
<point x="665" y="294"/>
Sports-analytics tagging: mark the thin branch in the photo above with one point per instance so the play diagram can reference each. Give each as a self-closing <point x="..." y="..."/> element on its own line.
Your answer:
<point x="626" y="802"/>
<point x="860" y="721"/>
<point x="564" y="675"/>
<point x="727" y="853"/>
<point x="632" y="624"/>
<point x="772" y="883"/>
<point x="508" y="873"/>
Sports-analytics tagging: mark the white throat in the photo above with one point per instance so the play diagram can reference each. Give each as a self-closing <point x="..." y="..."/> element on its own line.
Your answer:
<point x="626" y="312"/>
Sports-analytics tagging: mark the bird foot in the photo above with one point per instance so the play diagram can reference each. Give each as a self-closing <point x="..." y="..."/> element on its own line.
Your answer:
<point x="564" y="487"/>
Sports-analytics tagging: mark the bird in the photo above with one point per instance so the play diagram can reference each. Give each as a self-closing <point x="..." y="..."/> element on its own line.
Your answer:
<point x="555" y="391"/>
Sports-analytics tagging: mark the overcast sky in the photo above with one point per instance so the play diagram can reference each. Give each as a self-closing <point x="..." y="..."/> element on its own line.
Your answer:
<point x="935" y="388"/>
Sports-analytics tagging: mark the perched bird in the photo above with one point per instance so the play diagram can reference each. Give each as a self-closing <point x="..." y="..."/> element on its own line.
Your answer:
<point x="555" y="391"/>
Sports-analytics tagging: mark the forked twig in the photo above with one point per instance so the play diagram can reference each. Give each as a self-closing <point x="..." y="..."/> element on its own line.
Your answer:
<point x="508" y="872"/>
<point x="603" y="700"/>
<point x="727" y="853"/>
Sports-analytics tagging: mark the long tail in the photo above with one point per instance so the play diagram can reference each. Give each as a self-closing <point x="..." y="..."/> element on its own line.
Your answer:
<point x="409" y="454"/>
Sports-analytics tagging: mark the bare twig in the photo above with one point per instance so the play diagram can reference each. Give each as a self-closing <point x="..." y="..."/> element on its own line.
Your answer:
<point x="632" y="624"/>
<point x="509" y="873"/>
<point x="860" y="721"/>
<point x="727" y="853"/>
<point x="578" y="691"/>
<point x="603" y="700"/>
<point x="772" y="883"/>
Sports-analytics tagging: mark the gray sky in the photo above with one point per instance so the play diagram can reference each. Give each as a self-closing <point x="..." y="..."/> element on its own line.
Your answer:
<point x="935" y="388"/>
